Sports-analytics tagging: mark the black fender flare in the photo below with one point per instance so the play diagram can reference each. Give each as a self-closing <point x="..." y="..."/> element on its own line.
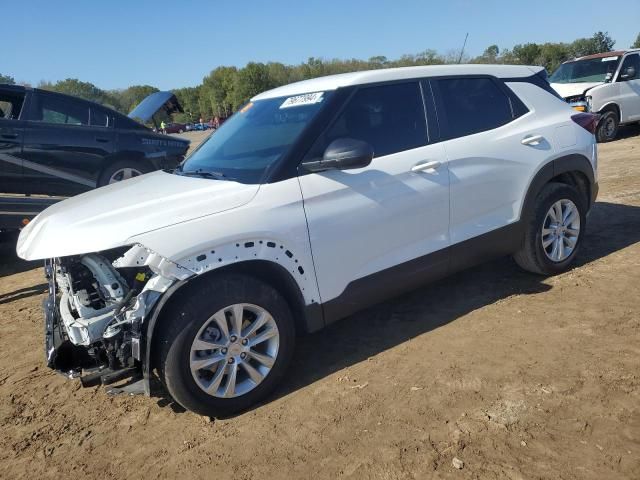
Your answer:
<point x="565" y="164"/>
<point x="148" y="329"/>
<point x="309" y="318"/>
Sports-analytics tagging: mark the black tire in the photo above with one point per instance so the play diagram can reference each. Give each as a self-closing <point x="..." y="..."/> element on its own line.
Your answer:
<point x="141" y="167"/>
<point x="180" y="131"/>
<point x="532" y="256"/>
<point x="607" y="127"/>
<point x="184" y="319"/>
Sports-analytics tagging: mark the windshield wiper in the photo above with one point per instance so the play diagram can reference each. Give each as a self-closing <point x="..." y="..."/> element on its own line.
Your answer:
<point x="203" y="174"/>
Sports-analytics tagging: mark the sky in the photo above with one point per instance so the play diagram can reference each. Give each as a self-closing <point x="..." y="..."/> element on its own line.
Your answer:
<point x="172" y="44"/>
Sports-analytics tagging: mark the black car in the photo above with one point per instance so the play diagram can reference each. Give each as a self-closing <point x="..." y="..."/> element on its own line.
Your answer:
<point x="55" y="144"/>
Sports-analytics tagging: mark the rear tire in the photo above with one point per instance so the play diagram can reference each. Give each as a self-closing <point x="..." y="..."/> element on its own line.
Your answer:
<point x="123" y="170"/>
<point x="550" y="246"/>
<point x="196" y="319"/>
<point x="607" y="129"/>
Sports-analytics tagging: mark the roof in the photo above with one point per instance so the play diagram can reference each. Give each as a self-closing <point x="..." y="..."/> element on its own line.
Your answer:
<point x="332" y="82"/>
<point x="12" y="86"/>
<point x="615" y="53"/>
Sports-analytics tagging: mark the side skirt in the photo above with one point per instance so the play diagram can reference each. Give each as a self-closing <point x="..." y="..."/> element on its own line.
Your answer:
<point x="380" y="286"/>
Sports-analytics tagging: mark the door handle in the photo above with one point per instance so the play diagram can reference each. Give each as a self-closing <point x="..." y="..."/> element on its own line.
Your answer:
<point x="102" y="140"/>
<point x="532" y="140"/>
<point x="9" y="135"/>
<point x="424" y="166"/>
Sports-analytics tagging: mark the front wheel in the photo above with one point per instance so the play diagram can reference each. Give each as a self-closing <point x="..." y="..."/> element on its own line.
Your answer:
<point x="554" y="230"/>
<point x="607" y="127"/>
<point x="225" y="345"/>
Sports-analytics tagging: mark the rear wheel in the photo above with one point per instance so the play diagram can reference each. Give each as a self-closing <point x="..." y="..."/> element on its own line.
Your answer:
<point x="225" y="345"/>
<point x="554" y="231"/>
<point x="122" y="170"/>
<point x="607" y="127"/>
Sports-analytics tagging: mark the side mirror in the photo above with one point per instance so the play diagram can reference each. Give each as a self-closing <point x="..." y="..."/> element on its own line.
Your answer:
<point x="343" y="154"/>
<point x="628" y="74"/>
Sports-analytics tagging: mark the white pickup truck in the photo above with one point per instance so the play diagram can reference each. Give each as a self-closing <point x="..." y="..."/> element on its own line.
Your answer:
<point x="605" y="83"/>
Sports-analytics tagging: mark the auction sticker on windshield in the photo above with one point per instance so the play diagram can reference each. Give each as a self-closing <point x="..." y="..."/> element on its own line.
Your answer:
<point x="306" y="99"/>
<point x="609" y="59"/>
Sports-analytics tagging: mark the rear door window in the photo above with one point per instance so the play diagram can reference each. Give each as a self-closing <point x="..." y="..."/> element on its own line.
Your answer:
<point x="11" y="105"/>
<point x="471" y="105"/>
<point x="53" y="109"/>
<point x="389" y="117"/>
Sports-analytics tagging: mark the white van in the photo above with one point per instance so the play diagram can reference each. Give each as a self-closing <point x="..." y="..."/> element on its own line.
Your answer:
<point x="605" y="83"/>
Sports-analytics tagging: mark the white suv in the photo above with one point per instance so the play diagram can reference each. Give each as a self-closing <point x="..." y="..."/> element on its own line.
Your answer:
<point x="315" y="200"/>
<point x="605" y="83"/>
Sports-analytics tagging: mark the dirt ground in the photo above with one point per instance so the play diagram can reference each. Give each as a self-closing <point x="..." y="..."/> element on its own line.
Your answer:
<point x="517" y="376"/>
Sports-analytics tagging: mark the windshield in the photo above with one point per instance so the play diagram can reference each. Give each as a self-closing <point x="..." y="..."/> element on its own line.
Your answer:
<point x="586" y="71"/>
<point x="254" y="139"/>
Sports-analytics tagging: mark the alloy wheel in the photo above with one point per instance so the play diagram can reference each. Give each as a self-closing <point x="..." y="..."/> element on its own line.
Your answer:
<point x="234" y="350"/>
<point x="124" y="174"/>
<point x="561" y="230"/>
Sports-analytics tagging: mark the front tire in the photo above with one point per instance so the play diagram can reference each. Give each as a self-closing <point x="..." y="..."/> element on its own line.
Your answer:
<point x="554" y="231"/>
<point x="607" y="127"/>
<point x="225" y="344"/>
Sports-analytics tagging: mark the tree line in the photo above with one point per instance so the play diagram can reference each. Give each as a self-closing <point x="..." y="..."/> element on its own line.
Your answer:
<point x="226" y="88"/>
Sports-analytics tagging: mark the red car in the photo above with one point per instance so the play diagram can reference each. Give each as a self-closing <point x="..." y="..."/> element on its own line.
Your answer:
<point x="175" y="127"/>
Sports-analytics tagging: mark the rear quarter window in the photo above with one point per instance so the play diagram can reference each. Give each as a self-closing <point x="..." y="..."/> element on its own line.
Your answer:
<point x="471" y="105"/>
<point x="100" y="118"/>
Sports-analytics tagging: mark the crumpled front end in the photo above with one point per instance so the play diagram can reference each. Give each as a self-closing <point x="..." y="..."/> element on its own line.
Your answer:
<point x="97" y="307"/>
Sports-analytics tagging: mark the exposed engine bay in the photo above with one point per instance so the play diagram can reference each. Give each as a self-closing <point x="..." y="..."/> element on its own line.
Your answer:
<point x="96" y="307"/>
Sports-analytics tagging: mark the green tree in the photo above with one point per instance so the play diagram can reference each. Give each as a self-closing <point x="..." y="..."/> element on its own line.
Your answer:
<point x="7" y="79"/>
<point x="86" y="90"/>
<point x="130" y="97"/>
<point x="603" y="42"/>
<point x="636" y="44"/>
<point x="217" y="93"/>
<point x="251" y="80"/>
<point x="527" y="54"/>
<point x="600" y="42"/>
<point x="490" y="55"/>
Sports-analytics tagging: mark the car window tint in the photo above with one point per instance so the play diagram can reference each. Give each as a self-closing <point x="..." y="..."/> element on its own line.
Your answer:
<point x="57" y="110"/>
<point x="99" y="118"/>
<point x="10" y="105"/>
<point x="389" y="117"/>
<point x="472" y="105"/>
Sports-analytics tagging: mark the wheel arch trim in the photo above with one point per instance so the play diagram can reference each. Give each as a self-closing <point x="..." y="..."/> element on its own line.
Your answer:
<point x="555" y="168"/>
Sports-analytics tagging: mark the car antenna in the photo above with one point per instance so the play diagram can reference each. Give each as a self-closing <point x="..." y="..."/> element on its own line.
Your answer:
<point x="462" y="49"/>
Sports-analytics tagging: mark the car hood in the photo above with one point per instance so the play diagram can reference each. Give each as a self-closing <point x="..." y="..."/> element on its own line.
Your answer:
<point x="154" y="103"/>
<point x="571" y="89"/>
<point x="109" y="216"/>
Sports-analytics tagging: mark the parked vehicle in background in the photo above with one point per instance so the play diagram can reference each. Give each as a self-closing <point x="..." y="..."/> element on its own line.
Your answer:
<point x="315" y="200"/>
<point x="175" y="128"/>
<point x="57" y="145"/>
<point x="605" y="83"/>
<point x="198" y="127"/>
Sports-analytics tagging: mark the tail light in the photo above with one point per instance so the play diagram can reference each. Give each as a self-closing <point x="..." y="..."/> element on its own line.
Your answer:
<point x="588" y="121"/>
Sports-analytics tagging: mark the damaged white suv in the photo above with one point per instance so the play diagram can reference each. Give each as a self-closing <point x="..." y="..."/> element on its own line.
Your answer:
<point x="313" y="201"/>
